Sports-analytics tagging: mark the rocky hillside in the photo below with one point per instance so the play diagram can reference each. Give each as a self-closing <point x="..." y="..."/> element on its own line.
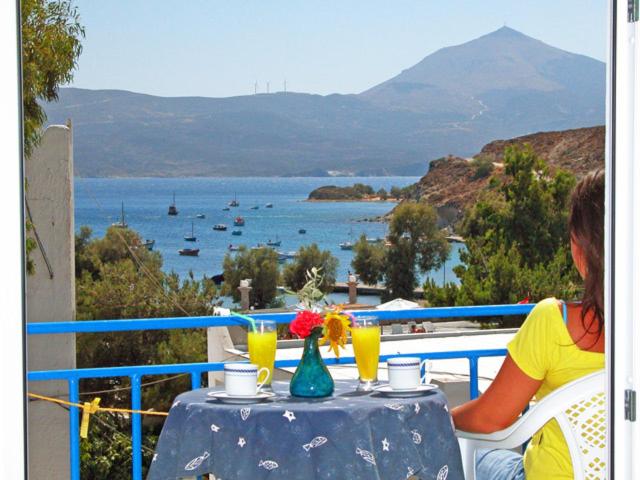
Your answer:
<point x="579" y="151"/>
<point x="453" y="183"/>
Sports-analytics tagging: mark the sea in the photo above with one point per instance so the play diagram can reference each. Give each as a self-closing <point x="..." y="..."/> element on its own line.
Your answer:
<point x="98" y="203"/>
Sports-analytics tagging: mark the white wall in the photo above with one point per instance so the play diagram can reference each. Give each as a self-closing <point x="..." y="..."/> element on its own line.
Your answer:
<point x="49" y="174"/>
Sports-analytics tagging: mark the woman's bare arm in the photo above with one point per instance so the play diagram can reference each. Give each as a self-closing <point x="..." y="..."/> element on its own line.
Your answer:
<point x="501" y="404"/>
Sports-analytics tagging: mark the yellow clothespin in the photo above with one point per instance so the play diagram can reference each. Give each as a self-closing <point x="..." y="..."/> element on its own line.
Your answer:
<point x="88" y="409"/>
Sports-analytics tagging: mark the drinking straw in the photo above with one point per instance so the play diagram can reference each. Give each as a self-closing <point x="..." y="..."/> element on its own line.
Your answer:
<point x="251" y="321"/>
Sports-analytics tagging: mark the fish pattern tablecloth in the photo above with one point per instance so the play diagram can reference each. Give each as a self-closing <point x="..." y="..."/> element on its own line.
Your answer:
<point x="347" y="436"/>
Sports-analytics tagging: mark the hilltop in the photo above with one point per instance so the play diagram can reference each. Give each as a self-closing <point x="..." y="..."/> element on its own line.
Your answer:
<point x="452" y="183"/>
<point x="501" y="85"/>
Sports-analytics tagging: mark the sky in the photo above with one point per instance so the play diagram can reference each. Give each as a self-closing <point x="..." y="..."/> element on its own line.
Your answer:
<point x="219" y="48"/>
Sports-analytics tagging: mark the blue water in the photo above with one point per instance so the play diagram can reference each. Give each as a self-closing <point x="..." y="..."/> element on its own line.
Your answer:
<point x="146" y="200"/>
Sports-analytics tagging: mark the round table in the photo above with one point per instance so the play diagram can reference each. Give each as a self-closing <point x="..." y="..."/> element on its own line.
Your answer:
<point x="350" y="435"/>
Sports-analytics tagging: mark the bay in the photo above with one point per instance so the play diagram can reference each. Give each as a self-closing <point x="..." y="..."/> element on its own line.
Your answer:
<point x="146" y="201"/>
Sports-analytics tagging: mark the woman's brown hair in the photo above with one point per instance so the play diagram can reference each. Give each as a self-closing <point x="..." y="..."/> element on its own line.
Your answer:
<point x="586" y="227"/>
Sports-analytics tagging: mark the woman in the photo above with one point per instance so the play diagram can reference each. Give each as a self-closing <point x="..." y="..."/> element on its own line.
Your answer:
<point x="558" y="343"/>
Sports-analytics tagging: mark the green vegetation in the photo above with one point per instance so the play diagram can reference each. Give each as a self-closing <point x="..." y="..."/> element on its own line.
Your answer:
<point x="295" y="275"/>
<point x="410" y="192"/>
<point x="482" y="166"/>
<point x="416" y="245"/>
<point x="260" y="265"/>
<point x="517" y="243"/>
<point x="358" y="191"/>
<point x="51" y="34"/>
<point x="117" y="278"/>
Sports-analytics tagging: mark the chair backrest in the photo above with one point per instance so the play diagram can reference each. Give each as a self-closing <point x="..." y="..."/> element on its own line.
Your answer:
<point x="584" y="425"/>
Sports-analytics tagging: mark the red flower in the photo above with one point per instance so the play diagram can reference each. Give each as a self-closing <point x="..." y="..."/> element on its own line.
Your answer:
<point x="304" y="322"/>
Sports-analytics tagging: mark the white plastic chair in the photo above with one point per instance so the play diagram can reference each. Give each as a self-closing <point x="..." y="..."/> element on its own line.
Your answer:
<point x="579" y="409"/>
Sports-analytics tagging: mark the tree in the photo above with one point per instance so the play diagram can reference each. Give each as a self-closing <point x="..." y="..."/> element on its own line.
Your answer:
<point x="295" y="274"/>
<point x="396" y="192"/>
<point x="117" y="277"/>
<point x="51" y="35"/>
<point x="415" y="245"/>
<point x="382" y="193"/>
<point x="369" y="261"/>
<point x="517" y="238"/>
<point x="260" y="265"/>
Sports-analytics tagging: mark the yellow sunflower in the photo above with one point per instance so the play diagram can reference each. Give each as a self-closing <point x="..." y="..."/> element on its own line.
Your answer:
<point x="336" y="326"/>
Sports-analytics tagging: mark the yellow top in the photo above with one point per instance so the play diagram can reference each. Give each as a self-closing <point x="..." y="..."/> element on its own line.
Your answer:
<point x="544" y="350"/>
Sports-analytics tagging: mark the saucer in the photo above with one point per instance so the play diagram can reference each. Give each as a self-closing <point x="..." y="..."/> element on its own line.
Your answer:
<point x="387" y="391"/>
<point x="224" y="397"/>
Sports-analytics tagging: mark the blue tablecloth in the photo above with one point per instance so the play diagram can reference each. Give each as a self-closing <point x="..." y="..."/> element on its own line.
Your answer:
<point x="348" y="436"/>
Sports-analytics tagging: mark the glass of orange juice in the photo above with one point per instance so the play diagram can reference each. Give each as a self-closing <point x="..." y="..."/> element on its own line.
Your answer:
<point x="365" y="336"/>
<point x="262" y="348"/>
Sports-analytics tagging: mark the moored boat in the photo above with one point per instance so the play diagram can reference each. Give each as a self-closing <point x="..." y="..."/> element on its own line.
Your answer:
<point x="172" y="208"/>
<point x="234" y="202"/>
<point x="274" y="243"/>
<point x="121" y="223"/>
<point x="200" y="215"/>
<point x="237" y="233"/>
<point x="238" y="222"/>
<point x="346" y="246"/>
<point x="302" y="231"/>
<point x="220" y="227"/>
<point x="192" y="237"/>
<point x="149" y="244"/>
<point x="269" y="205"/>
<point x="189" y="252"/>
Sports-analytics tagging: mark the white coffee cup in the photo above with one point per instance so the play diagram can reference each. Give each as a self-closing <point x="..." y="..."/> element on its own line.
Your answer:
<point x="241" y="379"/>
<point x="404" y="372"/>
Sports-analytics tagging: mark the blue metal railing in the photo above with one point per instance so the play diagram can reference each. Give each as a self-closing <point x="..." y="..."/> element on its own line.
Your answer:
<point x="135" y="373"/>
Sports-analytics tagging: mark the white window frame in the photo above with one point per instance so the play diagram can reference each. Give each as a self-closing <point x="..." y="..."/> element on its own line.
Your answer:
<point x="622" y="255"/>
<point x="622" y="283"/>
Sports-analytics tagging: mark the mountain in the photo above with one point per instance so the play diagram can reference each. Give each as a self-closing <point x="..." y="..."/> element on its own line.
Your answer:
<point x="501" y="85"/>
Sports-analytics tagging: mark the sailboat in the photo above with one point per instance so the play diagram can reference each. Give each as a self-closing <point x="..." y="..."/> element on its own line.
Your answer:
<point x="172" y="208"/>
<point x="192" y="237"/>
<point x="275" y="243"/>
<point x="121" y="223"/>
<point x="348" y="245"/>
<point x="234" y="202"/>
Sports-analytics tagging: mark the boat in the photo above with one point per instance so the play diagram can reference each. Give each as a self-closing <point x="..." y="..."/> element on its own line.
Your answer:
<point x="269" y="205"/>
<point x="121" y="223"/>
<point x="237" y="233"/>
<point x="189" y="252"/>
<point x="218" y="279"/>
<point x="200" y="215"/>
<point x="302" y="231"/>
<point x="238" y="222"/>
<point x="226" y="209"/>
<point x="234" y="202"/>
<point x="348" y="245"/>
<point x="220" y="227"/>
<point x="287" y="255"/>
<point x="274" y="243"/>
<point x="192" y="237"/>
<point x="255" y="207"/>
<point x="148" y="244"/>
<point x="233" y="248"/>
<point x="172" y="208"/>
<point x="375" y="240"/>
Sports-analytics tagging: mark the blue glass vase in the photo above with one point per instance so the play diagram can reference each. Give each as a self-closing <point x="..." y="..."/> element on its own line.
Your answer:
<point x="312" y="378"/>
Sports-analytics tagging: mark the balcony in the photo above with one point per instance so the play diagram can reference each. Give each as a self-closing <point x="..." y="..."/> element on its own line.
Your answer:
<point x="135" y="373"/>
